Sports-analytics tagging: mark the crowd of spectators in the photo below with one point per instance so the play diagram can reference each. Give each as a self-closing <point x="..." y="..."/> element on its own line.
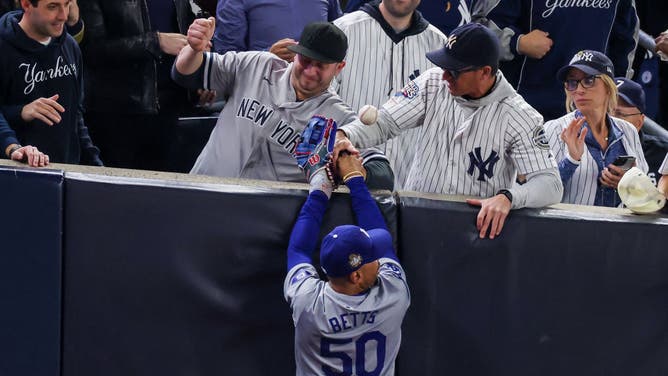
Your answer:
<point x="91" y="82"/>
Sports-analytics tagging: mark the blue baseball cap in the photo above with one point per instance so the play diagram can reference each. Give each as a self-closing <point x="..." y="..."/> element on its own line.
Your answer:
<point x="589" y="61"/>
<point x="348" y="247"/>
<point x="469" y="45"/>
<point x="631" y="92"/>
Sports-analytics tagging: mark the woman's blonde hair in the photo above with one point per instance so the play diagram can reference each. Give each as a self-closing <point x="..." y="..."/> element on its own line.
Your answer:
<point x="610" y="87"/>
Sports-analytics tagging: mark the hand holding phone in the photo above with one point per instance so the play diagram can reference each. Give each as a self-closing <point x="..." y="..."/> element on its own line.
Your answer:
<point x="624" y="162"/>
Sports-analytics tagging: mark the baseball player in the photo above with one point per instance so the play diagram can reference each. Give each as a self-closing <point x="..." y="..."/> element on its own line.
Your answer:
<point x="475" y="132"/>
<point x="382" y="60"/>
<point x="269" y="101"/>
<point x="350" y="325"/>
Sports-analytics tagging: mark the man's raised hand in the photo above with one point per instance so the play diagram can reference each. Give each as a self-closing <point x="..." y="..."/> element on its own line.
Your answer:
<point x="200" y="33"/>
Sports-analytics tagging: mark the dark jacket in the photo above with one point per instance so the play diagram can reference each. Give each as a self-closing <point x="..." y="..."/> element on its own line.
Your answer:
<point x="31" y="70"/>
<point x="121" y="54"/>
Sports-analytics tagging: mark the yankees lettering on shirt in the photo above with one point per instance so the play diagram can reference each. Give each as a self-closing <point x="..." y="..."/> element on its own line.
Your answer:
<point x="284" y="134"/>
<point x="33" y="76"/>
<point x="551" y="5"/>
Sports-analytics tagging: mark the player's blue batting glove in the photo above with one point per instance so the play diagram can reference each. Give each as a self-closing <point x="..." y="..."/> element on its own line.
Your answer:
<point x="314" y="150"/>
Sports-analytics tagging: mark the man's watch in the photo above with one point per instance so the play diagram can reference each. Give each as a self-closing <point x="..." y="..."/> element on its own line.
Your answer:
<point x="13" y="149"/>
<point x="506" y="193"/>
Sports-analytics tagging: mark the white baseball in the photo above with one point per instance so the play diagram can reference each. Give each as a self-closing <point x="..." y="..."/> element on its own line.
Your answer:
<point x="368" y="114"/>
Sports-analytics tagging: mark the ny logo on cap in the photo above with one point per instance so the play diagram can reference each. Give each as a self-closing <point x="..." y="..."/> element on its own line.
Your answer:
<point x="451" y="41"/>
<point x="582" y="55"/>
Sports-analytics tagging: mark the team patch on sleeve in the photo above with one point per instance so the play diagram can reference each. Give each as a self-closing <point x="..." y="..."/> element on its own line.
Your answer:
<point x="392" y="268"/>
<point x="539" y="138"/>
<point x="410" y="91"/>
<point x="300" y="276"/>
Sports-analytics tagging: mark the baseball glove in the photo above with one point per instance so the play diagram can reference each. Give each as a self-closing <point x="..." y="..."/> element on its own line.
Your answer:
<point x="314" y="150"/>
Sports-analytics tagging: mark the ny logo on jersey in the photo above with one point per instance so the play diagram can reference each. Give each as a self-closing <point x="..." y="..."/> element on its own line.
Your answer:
<point x="451" y="41"/>
<point x="486" y="167"/>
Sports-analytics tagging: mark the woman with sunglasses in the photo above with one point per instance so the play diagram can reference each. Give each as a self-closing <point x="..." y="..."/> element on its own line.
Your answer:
<point x="587" y="140"/>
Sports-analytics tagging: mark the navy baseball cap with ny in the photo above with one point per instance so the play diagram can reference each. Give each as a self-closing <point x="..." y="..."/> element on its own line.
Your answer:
<point x="348" y="247"/>
<point x="589" y="61"/>
<point x="469" y="46"/>
<point x="322" y="41"/>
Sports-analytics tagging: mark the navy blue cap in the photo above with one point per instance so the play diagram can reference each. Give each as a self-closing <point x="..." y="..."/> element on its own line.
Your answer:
<point x="631" y="92"/>
<point x="322" y="41"/>
<point x="348" y="247"/>
<point x="469" y="45"/>
<point x="589" y="61"/>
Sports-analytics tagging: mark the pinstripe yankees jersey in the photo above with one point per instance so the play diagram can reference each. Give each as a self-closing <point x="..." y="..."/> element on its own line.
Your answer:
<point x="581" y="188"/>
<point x="379" y="63"/>
<point x="348" y="335"/>
<point x="262" y="121"/>
<point x="467" y="147"/>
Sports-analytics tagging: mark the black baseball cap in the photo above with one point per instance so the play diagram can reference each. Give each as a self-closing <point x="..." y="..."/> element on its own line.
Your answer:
<point x="589" y="61"/>
<point x="631" y="92"/>
<point x="322" y="41"/>
<point x="469" y="45"/>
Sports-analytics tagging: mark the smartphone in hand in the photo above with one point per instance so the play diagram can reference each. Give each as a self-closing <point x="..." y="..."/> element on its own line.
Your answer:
<point x="625" y="162"/>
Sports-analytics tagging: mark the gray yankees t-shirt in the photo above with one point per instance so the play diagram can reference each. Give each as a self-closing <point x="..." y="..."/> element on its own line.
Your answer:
<point x="337" y="333"/>
<point x="260" y="125"/>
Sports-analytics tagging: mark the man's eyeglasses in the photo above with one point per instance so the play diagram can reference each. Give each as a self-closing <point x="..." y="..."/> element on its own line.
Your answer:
<point x="621" y="114"/>
<point x="587" y="82"/>
<point x="456" y="73"/>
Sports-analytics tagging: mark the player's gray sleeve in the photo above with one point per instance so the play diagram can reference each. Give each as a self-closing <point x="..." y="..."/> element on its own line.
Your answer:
<point x="393" y="274"/>
<point x="542" y="188"/>
<point x="301" y="279"/>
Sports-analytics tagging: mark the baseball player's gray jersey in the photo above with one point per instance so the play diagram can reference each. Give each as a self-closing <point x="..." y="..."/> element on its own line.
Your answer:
<point x="262" y="120"/>
<point x="466" y="147"/>
<point x="582" y="186"/>
<point x="377" y="67"/>
<point x="664" y="166"/>
<point x="342" y="334"/>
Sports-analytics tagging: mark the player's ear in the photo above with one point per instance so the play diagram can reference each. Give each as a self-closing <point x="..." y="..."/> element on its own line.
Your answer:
<point x="354" y="277"/>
